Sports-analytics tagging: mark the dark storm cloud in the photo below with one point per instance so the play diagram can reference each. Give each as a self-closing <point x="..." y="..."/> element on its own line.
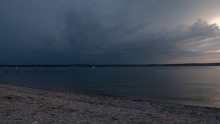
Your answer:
<point x="105" y="31"/>
<point x="88" y="36"/>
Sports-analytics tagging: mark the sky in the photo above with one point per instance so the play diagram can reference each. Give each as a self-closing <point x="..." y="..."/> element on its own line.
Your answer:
<point x="109" y="31"/>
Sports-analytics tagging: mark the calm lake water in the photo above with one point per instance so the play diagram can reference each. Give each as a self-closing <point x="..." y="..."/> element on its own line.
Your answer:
<point x="190" y="85"/>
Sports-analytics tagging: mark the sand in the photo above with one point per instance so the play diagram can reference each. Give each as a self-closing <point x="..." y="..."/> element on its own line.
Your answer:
<point x="26" y="105"/>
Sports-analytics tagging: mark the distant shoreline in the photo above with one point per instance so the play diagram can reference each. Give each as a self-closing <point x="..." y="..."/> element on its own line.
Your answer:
<point x="111" y="65"/>
<point x="23" y="104"/>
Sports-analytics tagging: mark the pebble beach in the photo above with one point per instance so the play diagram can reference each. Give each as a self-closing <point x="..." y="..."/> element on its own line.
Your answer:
<point x="28" y="105"/>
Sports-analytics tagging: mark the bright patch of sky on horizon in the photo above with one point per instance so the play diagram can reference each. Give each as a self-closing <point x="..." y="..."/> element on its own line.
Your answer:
<point x="109" y="32"/>
<point x="215" y="20"/>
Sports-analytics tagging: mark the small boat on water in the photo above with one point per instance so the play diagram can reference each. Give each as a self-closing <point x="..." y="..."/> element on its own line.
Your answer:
<point x="93" y="66"/>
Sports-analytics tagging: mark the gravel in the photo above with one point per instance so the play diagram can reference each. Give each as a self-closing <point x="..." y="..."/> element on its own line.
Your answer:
<point x="20" y="104"/>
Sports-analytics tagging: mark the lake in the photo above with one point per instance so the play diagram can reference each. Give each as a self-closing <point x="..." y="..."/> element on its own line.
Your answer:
<point x="190" y="85"/>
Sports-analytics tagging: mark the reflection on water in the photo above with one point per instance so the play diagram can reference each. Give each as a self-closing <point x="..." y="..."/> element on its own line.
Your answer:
<point x="197" y="85"/>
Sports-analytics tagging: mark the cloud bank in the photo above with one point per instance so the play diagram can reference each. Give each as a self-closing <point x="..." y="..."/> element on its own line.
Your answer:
<point x="88" y="37"/>
<point x="104" y="32"/>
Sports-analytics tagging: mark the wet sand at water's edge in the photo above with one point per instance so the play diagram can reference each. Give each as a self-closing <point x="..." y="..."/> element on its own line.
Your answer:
<point x="19" y="104"/>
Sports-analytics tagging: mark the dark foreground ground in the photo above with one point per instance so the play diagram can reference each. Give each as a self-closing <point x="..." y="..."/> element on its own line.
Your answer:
<point x="26" y="105"/>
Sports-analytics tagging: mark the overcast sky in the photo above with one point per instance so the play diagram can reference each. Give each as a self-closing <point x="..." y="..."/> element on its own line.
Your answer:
<point x="109" y="31"/>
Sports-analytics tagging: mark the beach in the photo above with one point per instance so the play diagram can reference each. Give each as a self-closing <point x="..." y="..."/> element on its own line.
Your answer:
<point x="29" y="105"/>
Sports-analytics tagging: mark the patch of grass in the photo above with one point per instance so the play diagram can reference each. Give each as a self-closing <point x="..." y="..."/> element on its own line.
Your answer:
<point x="132" y="120"/>
<point x="88" y="111"/>
<point x="70" y="110"/>
<point x="141" y="123"/>
<point x="90" y="102"/>
<point x="114" y="118"/>
<point x="83" y="113"/>
<point x="41" y="105"/>
<point x="45" y="110"/>
<point x="57" y="107"/>
<point x="150" y="115"/>
<point x="13" y="97"/>
<point x="33" y="114"/>
<point x="53" y="108"/>
<point x="7" y="113"/>
<point x="19" y="119"/>
<point x="60" y="107"/>
<point x="31" y="98"/>
<point x="99" y="116"/>
<point x="7" y="97"/>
